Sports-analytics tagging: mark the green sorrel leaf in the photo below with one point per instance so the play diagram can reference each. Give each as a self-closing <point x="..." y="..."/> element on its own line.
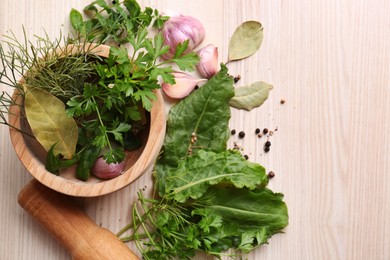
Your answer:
<point x="260" y="212"/>
<point x="196" y="173"/>
<point x="205" y="113"/>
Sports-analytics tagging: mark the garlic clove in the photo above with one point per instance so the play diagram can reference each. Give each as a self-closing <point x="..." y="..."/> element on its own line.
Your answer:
<point x="208" y="65"/>
<point x="180" y="28"/>
<point x="103" y="170"/>
<point x="184" y="85"/>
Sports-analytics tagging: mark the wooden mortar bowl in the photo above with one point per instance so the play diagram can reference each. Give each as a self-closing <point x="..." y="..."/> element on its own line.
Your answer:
<point x="32" y="154"/>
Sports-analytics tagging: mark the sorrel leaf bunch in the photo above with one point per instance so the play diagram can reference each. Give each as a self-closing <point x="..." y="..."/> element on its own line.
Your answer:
<point x="208" y="198"/>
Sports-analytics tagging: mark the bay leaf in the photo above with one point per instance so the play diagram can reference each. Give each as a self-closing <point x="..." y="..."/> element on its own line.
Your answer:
<point x="246" y="40"/>
<point x="49" y="123"/>
<point x="249" y="97"/>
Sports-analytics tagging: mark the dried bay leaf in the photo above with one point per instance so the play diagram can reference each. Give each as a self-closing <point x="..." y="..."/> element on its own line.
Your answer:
<point x="246" y="40"/>
<point x="249" y="97"/>
<point x="49" y="123"/>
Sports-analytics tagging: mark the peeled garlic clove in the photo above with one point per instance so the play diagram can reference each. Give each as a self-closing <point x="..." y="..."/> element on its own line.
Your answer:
<point x="180" y="28"/>
<point x="184" y="85"/>
<point x="208" y="64"/>
<point x="103" y="170"/>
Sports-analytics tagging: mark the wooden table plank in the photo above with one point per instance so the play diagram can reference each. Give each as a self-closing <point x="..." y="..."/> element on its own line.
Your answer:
<point x="330" y="61"/>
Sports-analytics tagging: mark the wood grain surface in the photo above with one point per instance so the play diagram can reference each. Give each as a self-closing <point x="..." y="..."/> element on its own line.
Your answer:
<point x="330" y="61"/>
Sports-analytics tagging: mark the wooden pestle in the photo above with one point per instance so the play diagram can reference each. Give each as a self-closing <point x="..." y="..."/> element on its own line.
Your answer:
<point x="71" y="226"/>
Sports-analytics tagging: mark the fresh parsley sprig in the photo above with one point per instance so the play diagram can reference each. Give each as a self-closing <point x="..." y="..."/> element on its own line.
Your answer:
<point x="114" y="22"/>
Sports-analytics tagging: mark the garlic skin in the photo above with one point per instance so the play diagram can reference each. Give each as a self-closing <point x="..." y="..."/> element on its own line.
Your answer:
<point x="180" y="28"/>
<point x="208" y="64"/>
<point x="185" y="83"/>
<point x="103" y="170"/>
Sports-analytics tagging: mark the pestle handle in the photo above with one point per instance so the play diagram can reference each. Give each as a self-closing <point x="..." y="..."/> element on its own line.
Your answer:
<point x="71" y="226"/>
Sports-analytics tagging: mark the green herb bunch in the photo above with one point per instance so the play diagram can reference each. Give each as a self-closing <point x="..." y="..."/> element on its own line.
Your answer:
<point x="206" y="197"/>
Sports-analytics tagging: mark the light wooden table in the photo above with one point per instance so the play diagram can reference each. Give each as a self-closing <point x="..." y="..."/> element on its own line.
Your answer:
<point x="330" y="61"/>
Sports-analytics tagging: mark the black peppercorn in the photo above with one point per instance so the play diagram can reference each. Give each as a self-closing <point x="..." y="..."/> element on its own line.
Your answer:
<point x="236" y="79"/>
<point x="267" y="144"/>
<point x="265" y="131"/>
<point x="246" y="157"/>
<point x="266" y="149"/>
<point x="271" y="174"/>
<point x="257" y="131"/>
<point x="241" y="134"/>
<point x="233" y="132"/>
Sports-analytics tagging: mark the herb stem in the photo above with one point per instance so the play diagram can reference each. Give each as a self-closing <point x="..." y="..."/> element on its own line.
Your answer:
<point x="142" y="223"/>
<point x="125" y="229"/>
<point x="133" y="237"/>
<point x="102" y="124"/>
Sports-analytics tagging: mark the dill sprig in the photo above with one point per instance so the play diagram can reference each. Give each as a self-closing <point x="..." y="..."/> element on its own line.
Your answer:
<point x="51" y="64"/>
<point x="46" y="64"/>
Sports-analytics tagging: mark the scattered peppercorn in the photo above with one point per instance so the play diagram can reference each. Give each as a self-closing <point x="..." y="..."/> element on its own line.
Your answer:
<point x="267" y="144"/>
<point x="237" y="78"/>
<point x="257" y="130"/>
<point x="271" y="174"/>
<point x="282" y="101"/>
<point x="246" y="157"/>
<point x="259" y="135"/>
<point x="241" y="134"/>
<point x="233" y="132"/>
<point x="265" y="131"/>
<point x="236" y="146"/>
<point x="266" y="149"/>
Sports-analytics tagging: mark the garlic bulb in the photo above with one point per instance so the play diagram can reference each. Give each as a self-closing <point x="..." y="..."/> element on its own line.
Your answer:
<point x="185" y="83"/>
<point x="180" y="28"/>
<point x="103" y="170"/>
<point x="208" y="64"/>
